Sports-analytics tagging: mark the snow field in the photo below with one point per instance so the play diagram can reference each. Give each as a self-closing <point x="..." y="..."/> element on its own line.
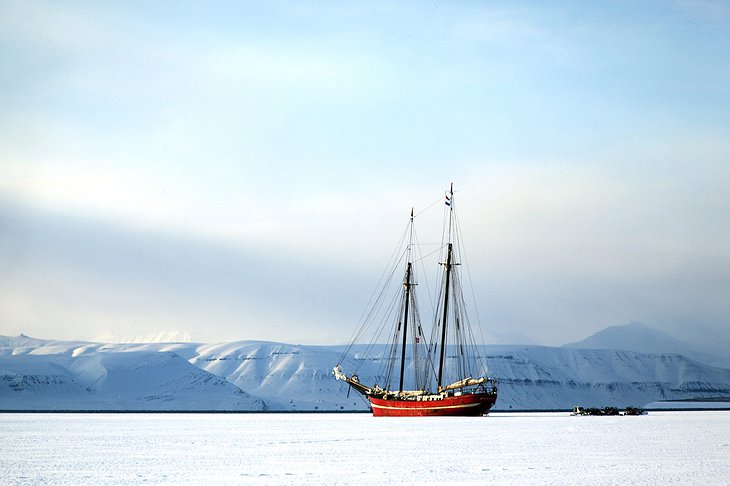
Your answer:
<point x="503" y="448"/>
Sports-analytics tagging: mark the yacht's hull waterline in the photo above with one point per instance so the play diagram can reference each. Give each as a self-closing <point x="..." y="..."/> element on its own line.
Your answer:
<point x="465" y="405"/>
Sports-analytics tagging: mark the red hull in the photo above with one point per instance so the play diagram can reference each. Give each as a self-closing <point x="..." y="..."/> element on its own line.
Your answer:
<point x="467" y="405"/>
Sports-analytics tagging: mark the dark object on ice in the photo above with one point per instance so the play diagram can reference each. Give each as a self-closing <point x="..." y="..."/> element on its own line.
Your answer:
<point x="595" y="411"/>
<point x="606" y="411"/>
<point x="634" y="411"/>
<point x="602" y="411"/>
<point x="577" y="411"/>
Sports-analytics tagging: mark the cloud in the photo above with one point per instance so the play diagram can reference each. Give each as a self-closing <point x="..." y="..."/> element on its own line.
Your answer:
<point x="568" y="246"/>
<point x="69" y="277"/>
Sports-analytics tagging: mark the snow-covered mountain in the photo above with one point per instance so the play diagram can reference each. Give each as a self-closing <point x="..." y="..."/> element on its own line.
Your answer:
<point x="49" y="375"/>
<point x="638" y="337"/>
<point x="254" y="375"/>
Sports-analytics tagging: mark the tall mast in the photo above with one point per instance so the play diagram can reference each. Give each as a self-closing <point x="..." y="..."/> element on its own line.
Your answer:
<point x="407" y="297"/>
<point x="407" y="286"/>
<point x="449" y="203"/>
<point x="446" y="315"/>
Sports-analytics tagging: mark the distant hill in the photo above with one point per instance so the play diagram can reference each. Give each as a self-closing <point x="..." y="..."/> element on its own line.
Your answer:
<point x="37" y="374"/>
<point x="640" y="338"/>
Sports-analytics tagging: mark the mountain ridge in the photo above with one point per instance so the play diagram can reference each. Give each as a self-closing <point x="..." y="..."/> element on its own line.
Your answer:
<point x="37" y="374"/>
<point x="638" y="337"/>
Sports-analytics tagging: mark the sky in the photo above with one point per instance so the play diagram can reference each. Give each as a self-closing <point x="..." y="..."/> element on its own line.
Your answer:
<point x="242" y="170"/>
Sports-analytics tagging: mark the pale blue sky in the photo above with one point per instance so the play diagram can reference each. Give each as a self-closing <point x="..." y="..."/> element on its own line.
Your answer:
<point x="238" y="170"/>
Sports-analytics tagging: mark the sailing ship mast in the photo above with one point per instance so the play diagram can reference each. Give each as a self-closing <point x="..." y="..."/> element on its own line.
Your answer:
<point x="407" y="298"/>
<point x="447" y="269"/>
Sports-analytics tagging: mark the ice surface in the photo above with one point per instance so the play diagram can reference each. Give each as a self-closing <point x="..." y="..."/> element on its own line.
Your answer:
<point x="503" y="448"/>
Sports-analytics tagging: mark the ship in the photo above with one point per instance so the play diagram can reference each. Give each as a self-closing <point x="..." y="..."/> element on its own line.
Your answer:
<point x="441" y="374"/>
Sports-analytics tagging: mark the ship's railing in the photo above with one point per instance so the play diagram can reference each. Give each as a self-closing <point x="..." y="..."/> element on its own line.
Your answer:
<point x="468" y="385"/>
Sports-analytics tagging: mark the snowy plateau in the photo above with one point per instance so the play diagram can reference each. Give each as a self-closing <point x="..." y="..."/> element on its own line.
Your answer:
<point x="37" y="374"/>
